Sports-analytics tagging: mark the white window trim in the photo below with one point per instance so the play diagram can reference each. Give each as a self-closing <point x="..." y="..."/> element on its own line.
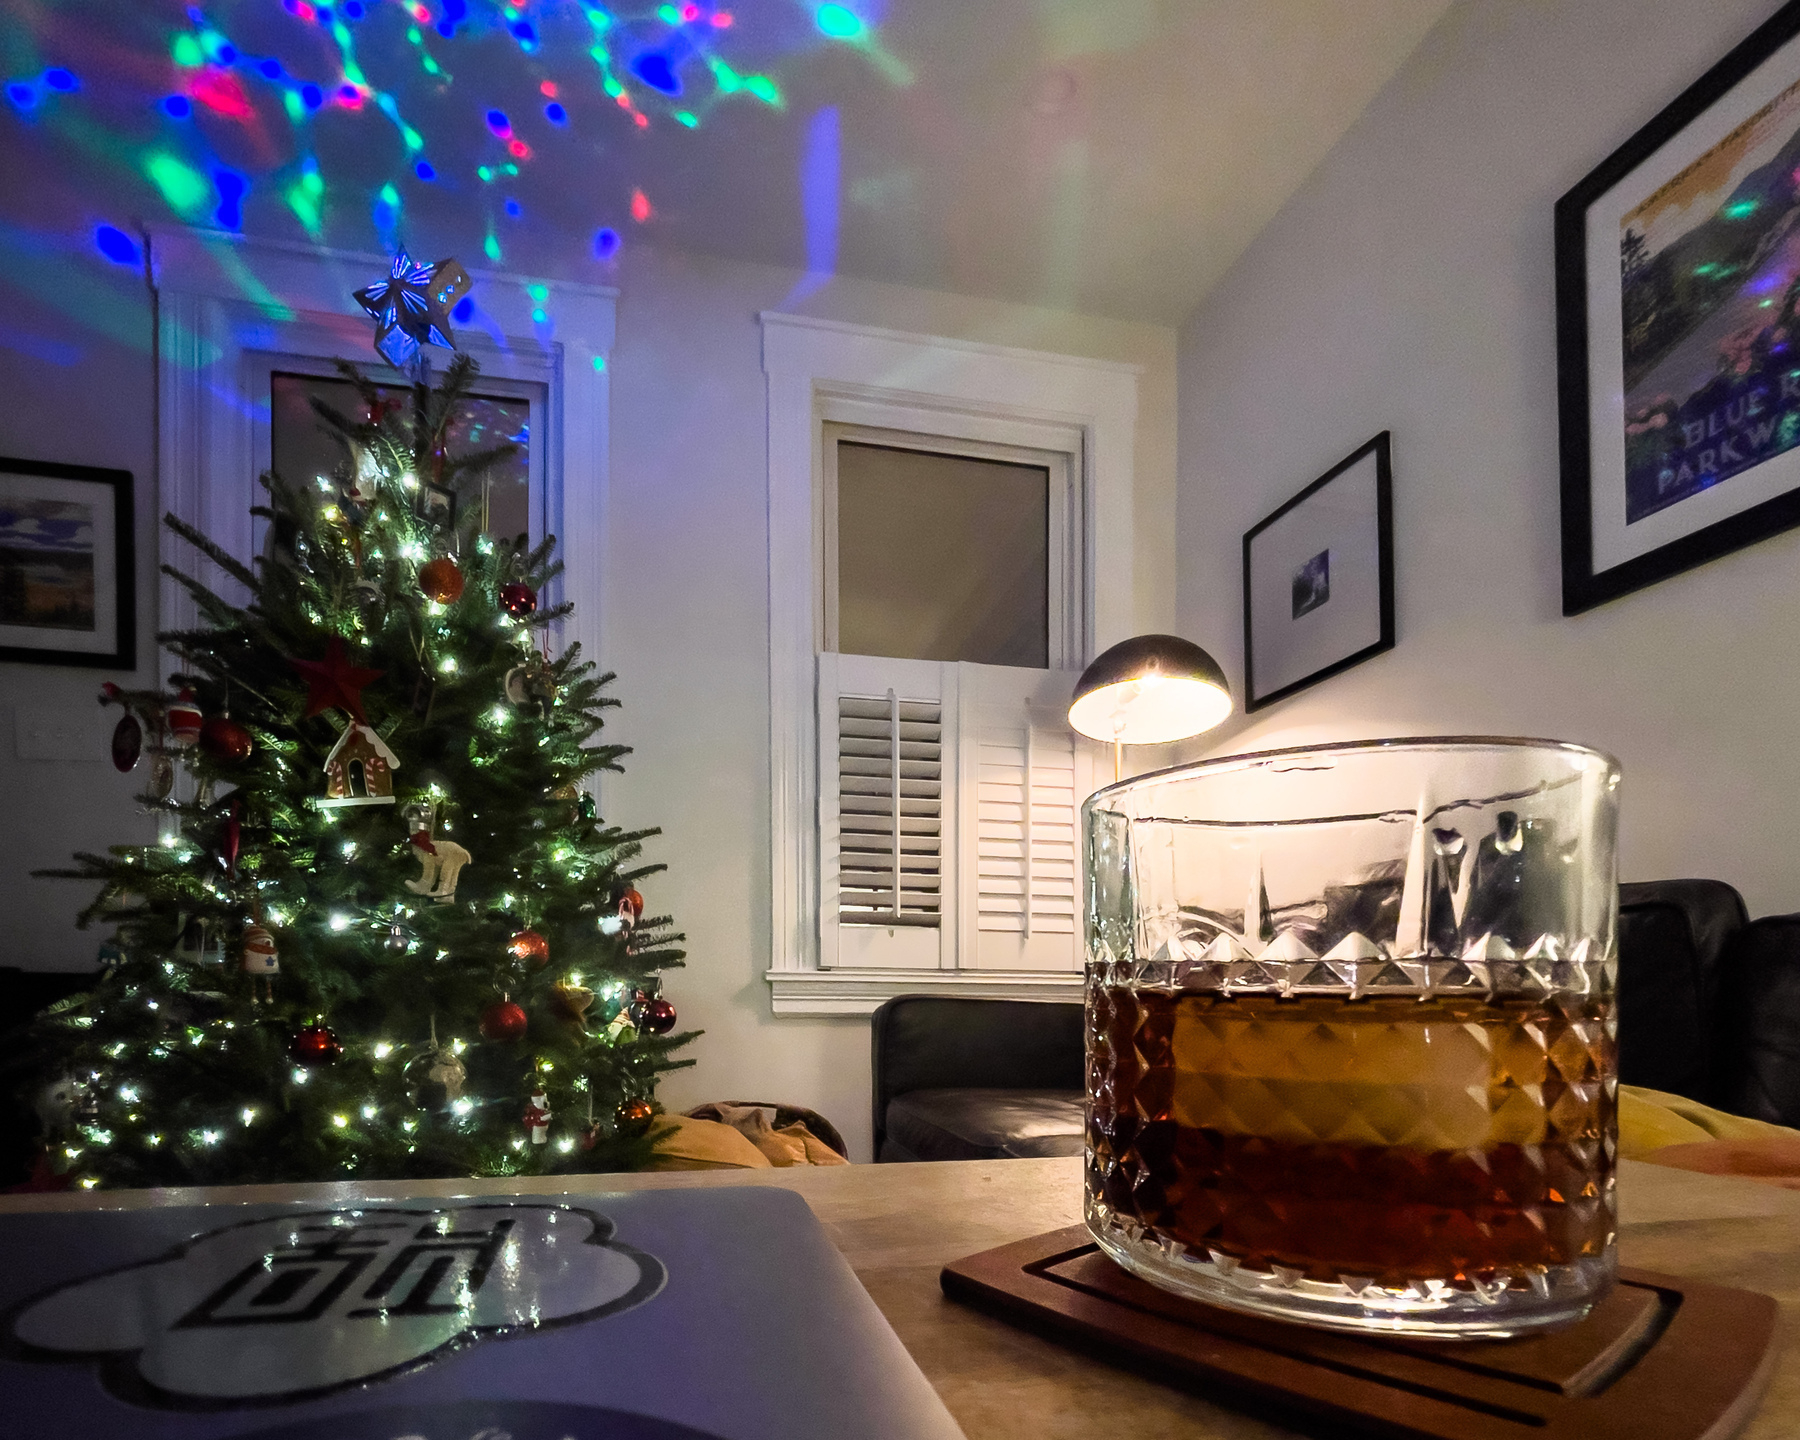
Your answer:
<point x="228" y="303"/>
<point x="822" y="369"/>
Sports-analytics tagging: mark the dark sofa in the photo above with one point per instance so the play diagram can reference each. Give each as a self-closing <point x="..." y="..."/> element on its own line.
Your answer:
<point x="1709" y="1008"/>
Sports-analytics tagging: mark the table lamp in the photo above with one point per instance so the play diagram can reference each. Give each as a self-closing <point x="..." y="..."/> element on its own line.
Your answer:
<point x="1149" y="690"/>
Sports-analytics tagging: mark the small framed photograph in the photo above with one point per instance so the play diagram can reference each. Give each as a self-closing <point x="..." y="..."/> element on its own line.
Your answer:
<point x="67" y="577"/>
<point x="1678" y="330"/>
<point x="1319" y="579"/>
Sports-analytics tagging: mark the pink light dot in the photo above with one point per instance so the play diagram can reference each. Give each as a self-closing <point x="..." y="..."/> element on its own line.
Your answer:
<point x="640" y="206"/>
<point x="548" y="89"/>
<point x="690" y="13"/>
<point x="520" y="150"/>
<point x="643" y="120"/>
<point x="421" y="14"/>
<point x="624" y="101"/>
<point x="721" y="20"/>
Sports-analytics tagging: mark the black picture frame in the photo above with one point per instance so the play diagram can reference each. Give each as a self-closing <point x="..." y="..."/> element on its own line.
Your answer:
<point x="111" y="598"/>
<point x="1601" y="562"/>
<point x="1372" y="596"/>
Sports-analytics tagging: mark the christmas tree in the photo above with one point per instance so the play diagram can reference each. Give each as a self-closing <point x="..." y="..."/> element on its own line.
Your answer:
<point x="384" y="933"/>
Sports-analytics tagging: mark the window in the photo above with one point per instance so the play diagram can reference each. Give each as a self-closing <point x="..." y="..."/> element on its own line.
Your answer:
<point x="237" y="314"/>
<point x="301" y="448"/>
<point x="949" y="523"/>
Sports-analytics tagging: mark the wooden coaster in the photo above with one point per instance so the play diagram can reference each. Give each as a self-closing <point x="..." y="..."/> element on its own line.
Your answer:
<point x="1660" y="1358"/>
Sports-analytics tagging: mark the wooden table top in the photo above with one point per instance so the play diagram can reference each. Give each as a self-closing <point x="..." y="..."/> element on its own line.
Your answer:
<point x="899" y="1224"/>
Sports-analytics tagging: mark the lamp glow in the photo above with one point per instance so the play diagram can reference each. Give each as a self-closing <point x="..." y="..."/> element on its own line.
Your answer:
<point x="1150" y="690"/>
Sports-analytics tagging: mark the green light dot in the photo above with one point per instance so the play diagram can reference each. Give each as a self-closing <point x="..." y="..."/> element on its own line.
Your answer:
<point x="838" y="22"/>
<point x="539" y="293"/>
<point x="431" y="66"/>
<point x="510" y="169"/>
<point x="600" y="363"/>
<point x="763" y="89"/>
<point x="413" y="36"/>
<point x="686" y="118"/>
<point x="1741" y="210"/>
<point x="669" y="15"/>
<point x="296" y="111"/>
<point x="390" y="196"/>
<point x="182" y="186"/>
<point x="612" y="87"/>
<point x="539" y="316"/>
<point x="304" y="207"/>
<point x="486" y="175"/>
<point x="187" y="51"/>
<point x="340" y="32"/>
<point x="491" y="248"/>
<point x="412" y="137"/>
<point x="314" y="184"/>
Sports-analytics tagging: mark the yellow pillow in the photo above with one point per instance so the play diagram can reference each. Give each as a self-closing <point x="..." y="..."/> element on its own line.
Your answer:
<point x="683" y="1143"/>
<point x="1651" y="1119"/>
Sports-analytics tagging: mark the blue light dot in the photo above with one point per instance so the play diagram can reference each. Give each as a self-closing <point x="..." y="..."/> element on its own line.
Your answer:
<point x="60" y="80"/>
<point x="424" y="171"/>
<point x="271" y="69"/>
<point x="653" y="68"/>
<point x="225" y="54"/>
<point x="231" y="187"/>
<point x="447" y="28"/>
<point x="349" y="92"/>
<point x="465" y="307"/>
<point x="21" y="95"/>
<point x="311" y="97"/>
<point x="497" y="122"/>
<point x="522" y="29"/>
<point x="196" y="15"/>
<point x="178" y="107"/>
<point x="116" y="245"/>
<point x="606" y="243"/>
<point x="555" y="114"/>
<point x="354" y="9"/>
<point x="514" y="209"/>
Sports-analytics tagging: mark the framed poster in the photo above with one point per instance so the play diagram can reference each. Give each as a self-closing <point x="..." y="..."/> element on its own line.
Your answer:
<point x="67" y="578"/>
<point x="1319" y="579"/>
<point x="1678" y="330"/>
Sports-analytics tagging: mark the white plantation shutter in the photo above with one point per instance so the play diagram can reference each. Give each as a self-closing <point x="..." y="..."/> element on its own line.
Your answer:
<point x="949" y="810"/>
<point x="887" y="782"/>
<point x="1026" y="774"/>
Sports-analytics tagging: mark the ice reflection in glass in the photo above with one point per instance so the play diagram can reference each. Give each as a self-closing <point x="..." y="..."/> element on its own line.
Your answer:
<point x="1350" y="1029"/>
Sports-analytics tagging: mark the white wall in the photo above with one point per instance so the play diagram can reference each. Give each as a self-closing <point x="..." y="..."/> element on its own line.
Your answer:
<point x="1409" y="285"/>
<point x="685" y="613"/>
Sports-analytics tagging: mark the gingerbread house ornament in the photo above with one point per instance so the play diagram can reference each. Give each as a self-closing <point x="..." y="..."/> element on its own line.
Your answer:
<point x="360" y="769"/>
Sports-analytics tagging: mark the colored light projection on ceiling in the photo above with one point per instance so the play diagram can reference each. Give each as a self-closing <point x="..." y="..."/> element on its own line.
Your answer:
<point x="352" y="120"/>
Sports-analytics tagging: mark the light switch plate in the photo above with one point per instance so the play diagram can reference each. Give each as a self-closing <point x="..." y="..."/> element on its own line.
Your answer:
<point x="71" y="731"/>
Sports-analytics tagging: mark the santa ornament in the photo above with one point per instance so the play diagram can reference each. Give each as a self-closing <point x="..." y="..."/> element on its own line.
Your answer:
<point x="537" y="1118"/>
<point x="184" y="720"/>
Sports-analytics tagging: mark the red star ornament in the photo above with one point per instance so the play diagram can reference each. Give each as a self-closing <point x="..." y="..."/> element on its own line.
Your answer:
<point x="335" y="681"/>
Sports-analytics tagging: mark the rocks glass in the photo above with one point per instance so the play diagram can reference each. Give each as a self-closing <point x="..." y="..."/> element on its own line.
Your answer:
<point x="1351" y="1051"/>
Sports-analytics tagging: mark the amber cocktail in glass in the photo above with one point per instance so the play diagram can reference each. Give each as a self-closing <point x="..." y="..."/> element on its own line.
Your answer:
<point x="1351" y="1054"/>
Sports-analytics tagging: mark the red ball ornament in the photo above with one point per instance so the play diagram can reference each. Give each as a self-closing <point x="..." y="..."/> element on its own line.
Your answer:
<point x="503" y="1020"/>
<point x="314" y="1046"/>
<point x="223" y="739"/>
<point x="184" y="720"/>
<point x="658" y="1017"/>
<point x="634" y="1116"/>
<point x="529" y="948"/>
<point x="518" y="599"/>
<point x="634" y="902"/>
<point x="441" y="580"/>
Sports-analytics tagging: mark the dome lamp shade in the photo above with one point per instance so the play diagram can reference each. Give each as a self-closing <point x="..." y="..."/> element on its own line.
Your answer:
<point x="1150" y="690"/>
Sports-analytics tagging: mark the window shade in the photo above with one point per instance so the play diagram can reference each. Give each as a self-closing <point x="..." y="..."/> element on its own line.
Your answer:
<point x="890" y="810"/>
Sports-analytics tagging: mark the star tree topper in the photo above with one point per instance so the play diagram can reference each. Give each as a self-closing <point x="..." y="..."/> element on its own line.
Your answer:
<point x="335" y="681"/>
<point x="412" y="308"/>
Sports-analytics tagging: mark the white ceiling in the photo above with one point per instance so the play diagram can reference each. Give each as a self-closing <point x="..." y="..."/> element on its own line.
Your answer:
<point x="1106" y="156"/>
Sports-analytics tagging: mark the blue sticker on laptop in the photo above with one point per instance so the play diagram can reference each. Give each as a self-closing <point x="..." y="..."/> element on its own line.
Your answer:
<point x="300" y="1306"/>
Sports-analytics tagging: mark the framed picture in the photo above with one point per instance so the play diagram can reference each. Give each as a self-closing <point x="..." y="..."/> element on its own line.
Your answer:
<point x="67" y="580"/>
<point x="1678" y="330"/>
<point x="1319" y="579"/>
